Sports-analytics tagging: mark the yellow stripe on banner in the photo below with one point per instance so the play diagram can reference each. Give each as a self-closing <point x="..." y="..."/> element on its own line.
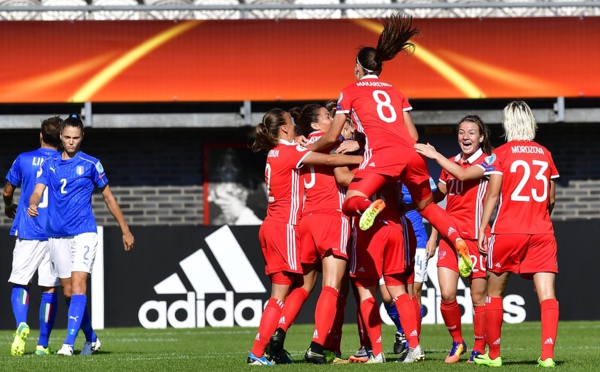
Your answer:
<point x="114" y="69"/>
<point x="455" y="78"/>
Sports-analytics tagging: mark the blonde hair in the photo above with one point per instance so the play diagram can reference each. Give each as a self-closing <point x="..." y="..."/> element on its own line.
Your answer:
<point x="519" y="123"/>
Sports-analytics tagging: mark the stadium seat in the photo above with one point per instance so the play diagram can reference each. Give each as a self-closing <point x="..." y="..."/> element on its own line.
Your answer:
<point x="318" y="13"/>
<point x="217" y="14"/>
<point x="169" y="14"/>
<point x="63" y="15"/>
<point x="113" y="15"/>
<point x="19" y="16"/>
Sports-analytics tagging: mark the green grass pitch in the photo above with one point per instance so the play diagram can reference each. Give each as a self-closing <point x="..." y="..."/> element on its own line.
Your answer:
<point x="225" y="349"/>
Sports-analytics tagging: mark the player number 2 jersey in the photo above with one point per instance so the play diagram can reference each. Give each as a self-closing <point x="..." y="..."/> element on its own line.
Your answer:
<point x="526" y="168"/>
<point x="70" y="184"/>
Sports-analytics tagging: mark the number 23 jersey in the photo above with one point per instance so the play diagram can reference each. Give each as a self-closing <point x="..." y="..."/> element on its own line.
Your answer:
<point x="527" y="169"/>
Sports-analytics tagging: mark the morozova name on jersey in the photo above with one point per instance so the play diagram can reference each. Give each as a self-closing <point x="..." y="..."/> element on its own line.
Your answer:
<point x="527" y="150"/>
<point x="372" y="84"/>
<point x="273" y="154"/>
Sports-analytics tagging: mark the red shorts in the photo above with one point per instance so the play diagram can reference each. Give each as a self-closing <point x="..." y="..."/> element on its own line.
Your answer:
<point x="447" y="257"/>
<point x="322" y="232"/>
<point x="523" y="254"/>
<point x="378" y="251"/>
<point x="280" y="247"/>
<point x="411" y="170"/>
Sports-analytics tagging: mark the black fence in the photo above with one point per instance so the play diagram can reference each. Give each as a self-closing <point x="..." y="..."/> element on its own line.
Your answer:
<point x="199" y="276"/>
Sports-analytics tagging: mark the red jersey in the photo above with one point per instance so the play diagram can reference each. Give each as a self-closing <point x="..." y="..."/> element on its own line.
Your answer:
<point x="320" y="188"/>
<point x="465" y="198"/>
<point x="376" y="108"/>
<point x="282" y="177"/>
<point x="526" y="168"/>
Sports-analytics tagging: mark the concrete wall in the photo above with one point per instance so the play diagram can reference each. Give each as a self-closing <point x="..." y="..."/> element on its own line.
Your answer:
<point x="157" y="174"/>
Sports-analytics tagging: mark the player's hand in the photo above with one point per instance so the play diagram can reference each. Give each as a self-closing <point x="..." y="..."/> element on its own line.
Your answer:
<point x="430" y="248"/>
<point x="128" y="241"/>
<point x="32" y="211"/>
<point x="10" y="211"/>
<point x="482" y="244"/>
<point x="302" y="141"/>
<point x="347" y="146"/>
<point x="426" y="150"/>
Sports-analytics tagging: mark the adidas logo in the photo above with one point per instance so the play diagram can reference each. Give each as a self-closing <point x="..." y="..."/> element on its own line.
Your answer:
<point x="204" y="279"/>
<point x="361" y="270"/>
<point x="497" y="264"/>
<point x="451" y="230"/>
<point x="282" y="320"/>
<point x="497" y="342"/>
<point x="549" y="341"/>
<point x="316" y="334"/>
<point x="414" y="333"/>
<point x="378" y="340"/>
<point x="372" y="164"/>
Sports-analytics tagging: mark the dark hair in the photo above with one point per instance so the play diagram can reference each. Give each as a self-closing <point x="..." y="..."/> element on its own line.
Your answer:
<point x="74" y="120"/>
<point x="486" y="146"/>
<point x="267" y="132"/>
<point x="397" y="31"/>
<point x="50" y="130"/>
<point x="305" y="116"/>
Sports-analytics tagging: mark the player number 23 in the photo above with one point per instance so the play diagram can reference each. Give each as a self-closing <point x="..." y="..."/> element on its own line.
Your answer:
<point x="520" y="194"/>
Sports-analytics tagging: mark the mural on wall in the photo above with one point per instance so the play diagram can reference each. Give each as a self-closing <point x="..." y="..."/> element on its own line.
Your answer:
<point x="234" y="186"/>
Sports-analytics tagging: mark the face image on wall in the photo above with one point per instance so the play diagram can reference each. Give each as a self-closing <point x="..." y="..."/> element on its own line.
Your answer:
<point x="235" y="193"/>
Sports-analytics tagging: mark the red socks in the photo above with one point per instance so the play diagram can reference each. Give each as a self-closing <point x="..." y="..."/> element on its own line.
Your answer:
<point x="324" y="316"/>
<point x="292" y="307"/>
<point x="355" y="205"/>
<point x="268" y="324"/>
<point x="334" y="340"/>
<point x="408" y="320"/>
<point x="479" y="328"/>
<point x="441" y="220"/>
<point x="549" y="315"/>
<point x="451" y="314"/>
<point x="372" y="322"/>
<point x="494" y="313"/>
<point x="417" y="313"/>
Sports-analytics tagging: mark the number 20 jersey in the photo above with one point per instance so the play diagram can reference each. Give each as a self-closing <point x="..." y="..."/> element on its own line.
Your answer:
<point x="526" y="168"/>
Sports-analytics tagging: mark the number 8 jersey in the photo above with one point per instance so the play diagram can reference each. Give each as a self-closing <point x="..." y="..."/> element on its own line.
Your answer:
<point x="526" y="168"/>
<point x="377" y="109"/>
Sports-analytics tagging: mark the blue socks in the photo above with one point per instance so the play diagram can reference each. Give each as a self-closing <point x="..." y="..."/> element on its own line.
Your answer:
<point x="20" y="303"/>
<point x="47" y="316"/>
<point x="86" y="327"/>
<point x="76" y="310"/>
<point x="393" y="313"/>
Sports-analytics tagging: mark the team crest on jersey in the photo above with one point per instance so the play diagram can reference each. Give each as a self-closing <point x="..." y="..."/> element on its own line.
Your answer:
<point x="490" y="159"/>
<point x="99" y="168"/>
<point x="79" y="170"/>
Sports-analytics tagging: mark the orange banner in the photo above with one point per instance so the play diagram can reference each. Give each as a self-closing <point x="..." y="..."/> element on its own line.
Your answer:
<point x="268" y="60"/>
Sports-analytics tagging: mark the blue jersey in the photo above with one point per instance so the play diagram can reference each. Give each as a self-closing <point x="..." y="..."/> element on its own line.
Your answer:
<point x="23" y="172"/>
<point x="71" y="183"/>
<point x="415" y="218"/>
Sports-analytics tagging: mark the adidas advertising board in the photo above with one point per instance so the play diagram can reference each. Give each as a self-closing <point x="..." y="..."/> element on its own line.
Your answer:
<point x="195" y="276"/>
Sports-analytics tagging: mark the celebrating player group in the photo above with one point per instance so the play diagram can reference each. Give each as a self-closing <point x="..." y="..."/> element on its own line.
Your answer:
<point x="335" y="204"/>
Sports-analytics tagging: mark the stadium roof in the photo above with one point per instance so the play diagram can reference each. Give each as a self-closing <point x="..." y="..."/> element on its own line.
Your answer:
<point x="287" y="9"/>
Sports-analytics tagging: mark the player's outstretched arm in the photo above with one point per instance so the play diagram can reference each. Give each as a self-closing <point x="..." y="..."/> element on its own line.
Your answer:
<point x="460" y="173"/>
<point x="116" y="212"/>
<point x="331" y="136"/>
<point x="491" y="198"/>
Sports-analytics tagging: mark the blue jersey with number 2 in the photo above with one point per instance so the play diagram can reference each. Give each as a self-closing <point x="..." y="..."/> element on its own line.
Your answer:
<point x="71" y="183"/>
